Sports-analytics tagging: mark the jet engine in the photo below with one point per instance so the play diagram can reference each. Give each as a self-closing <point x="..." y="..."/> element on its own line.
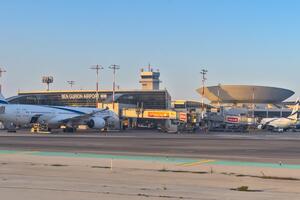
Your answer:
<point x="96" y="122"/>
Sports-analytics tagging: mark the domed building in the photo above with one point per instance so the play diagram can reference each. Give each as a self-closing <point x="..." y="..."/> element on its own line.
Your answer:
<point x="245" y="94"/>
<point x="262" y="100"/>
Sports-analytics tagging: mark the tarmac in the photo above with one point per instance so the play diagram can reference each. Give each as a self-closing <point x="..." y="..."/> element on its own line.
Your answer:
<point x="254" y="147"/>
<point x="149" y="165"/>
<point x="46" y="176"/>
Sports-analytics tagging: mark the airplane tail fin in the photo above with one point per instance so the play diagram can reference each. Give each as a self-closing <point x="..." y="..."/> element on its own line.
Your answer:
<point x="2" y="99"/>
<point x="295" y="113"/>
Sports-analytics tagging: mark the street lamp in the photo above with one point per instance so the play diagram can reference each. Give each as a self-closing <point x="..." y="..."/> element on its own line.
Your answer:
<point x="219" y="87"/>
<point x="203" y="72"/>
<point x="97" y="68"/>
<point x="47" y="80"/>
<point x="253" y="99"/>
<point x="114" y="68"/>
<point x="1" y="72"/>
<point x="71" y="83"/>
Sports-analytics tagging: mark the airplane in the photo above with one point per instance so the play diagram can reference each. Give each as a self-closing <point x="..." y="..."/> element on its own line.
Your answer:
<point x="22" y="115"/>
<point x="282" y="123"/>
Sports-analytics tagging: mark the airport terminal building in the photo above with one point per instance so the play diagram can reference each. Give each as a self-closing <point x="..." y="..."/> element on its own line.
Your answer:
<point x="252" y="100"/>
<point x="150" y="99"/>
<point x="148" y="105"/>
<point x="249" y="100"/>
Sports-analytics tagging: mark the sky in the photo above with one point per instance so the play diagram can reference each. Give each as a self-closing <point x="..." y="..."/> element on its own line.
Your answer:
<point x="238" y="41"/>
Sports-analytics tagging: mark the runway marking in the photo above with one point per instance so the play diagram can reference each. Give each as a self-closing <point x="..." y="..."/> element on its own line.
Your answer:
<point x="190" y="164"/>
<point x="8" y="152"/>
<point x="257" y="164"/>
<point x="186" y="162"/>
<point x="27" y="152"/>
<point x="117" y="157"/>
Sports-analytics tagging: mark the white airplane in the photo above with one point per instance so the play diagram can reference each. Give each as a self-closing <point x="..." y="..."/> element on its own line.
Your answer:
<point x="20" y="115"/>
<point x="282" y="123"/>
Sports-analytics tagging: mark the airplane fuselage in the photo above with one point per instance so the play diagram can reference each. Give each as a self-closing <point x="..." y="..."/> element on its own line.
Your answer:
<point x="283" y="123"/>
<point x="23" y="115"/>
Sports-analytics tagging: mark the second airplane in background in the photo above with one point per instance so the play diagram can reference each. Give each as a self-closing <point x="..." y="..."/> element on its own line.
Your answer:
<point x="282" y="123"/>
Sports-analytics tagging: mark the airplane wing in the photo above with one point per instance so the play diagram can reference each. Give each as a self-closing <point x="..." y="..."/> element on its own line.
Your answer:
<point x="268" y="122"/>
<point x="81" y="117"/>
<point x="272" y="120"/>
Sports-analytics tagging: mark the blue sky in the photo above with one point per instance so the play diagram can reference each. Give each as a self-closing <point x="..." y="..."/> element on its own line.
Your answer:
<point x="239" y="42"/>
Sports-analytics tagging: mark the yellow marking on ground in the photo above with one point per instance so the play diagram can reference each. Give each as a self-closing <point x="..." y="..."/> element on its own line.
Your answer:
<point x="195" y="163"/>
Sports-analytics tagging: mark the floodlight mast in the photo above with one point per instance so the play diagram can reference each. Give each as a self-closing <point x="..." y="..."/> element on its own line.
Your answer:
<point x="97" y="68"/>
<point x="203" y="72"/>
<point x="1" y="72"/>
<point x="71" y="83"/>
<point x="253" y="105"/>
<point x="47" y="80"/>
<point x="114" y="68"/>
<point x="219" y="105"/>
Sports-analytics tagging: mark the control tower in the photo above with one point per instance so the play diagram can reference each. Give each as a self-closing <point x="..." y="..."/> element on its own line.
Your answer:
<point x="150" y="79"/>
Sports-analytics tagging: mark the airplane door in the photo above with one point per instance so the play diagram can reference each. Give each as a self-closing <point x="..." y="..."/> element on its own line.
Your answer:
<point x="18" y="115"/>
<point x="2" y="109"/>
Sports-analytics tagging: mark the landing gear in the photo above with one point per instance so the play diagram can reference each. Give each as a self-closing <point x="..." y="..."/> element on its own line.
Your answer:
<point x="11" y="128"/>
<point x="69" y="130"/>
<point x="278" y="130"/>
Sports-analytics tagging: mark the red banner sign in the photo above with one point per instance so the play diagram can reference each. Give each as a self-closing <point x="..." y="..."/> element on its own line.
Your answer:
<point x="183" y="117"/>
<point x="232" y="119"/>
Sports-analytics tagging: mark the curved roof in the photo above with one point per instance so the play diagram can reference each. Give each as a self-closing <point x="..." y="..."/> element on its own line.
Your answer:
<point x="245" y="94"/>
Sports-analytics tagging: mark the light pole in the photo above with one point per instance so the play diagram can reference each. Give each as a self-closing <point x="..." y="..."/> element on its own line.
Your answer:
<point x="253" y="105"/>
<point x="203" y="72"/>
<point x="219" y="87"/>
<point x="97" y="68"/>
<point x="114" y="68"/>
<point x="47" y="80"/>
<point x="1" y="72"/>
<point x="71" y="83"/>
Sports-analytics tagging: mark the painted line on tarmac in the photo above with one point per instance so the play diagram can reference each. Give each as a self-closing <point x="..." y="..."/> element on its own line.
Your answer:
<point x="117" y="157"/>
<point x="241" y="164"/>
<point x="8" y="152"/>
<point x="190" y="164"/>
<point x="187" y="162"/>
<point x="101" y="156"/>
<point x="257" y="164"/>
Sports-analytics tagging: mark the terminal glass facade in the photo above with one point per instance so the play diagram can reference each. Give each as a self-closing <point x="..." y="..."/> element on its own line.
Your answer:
<point x="158" y="99"/>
